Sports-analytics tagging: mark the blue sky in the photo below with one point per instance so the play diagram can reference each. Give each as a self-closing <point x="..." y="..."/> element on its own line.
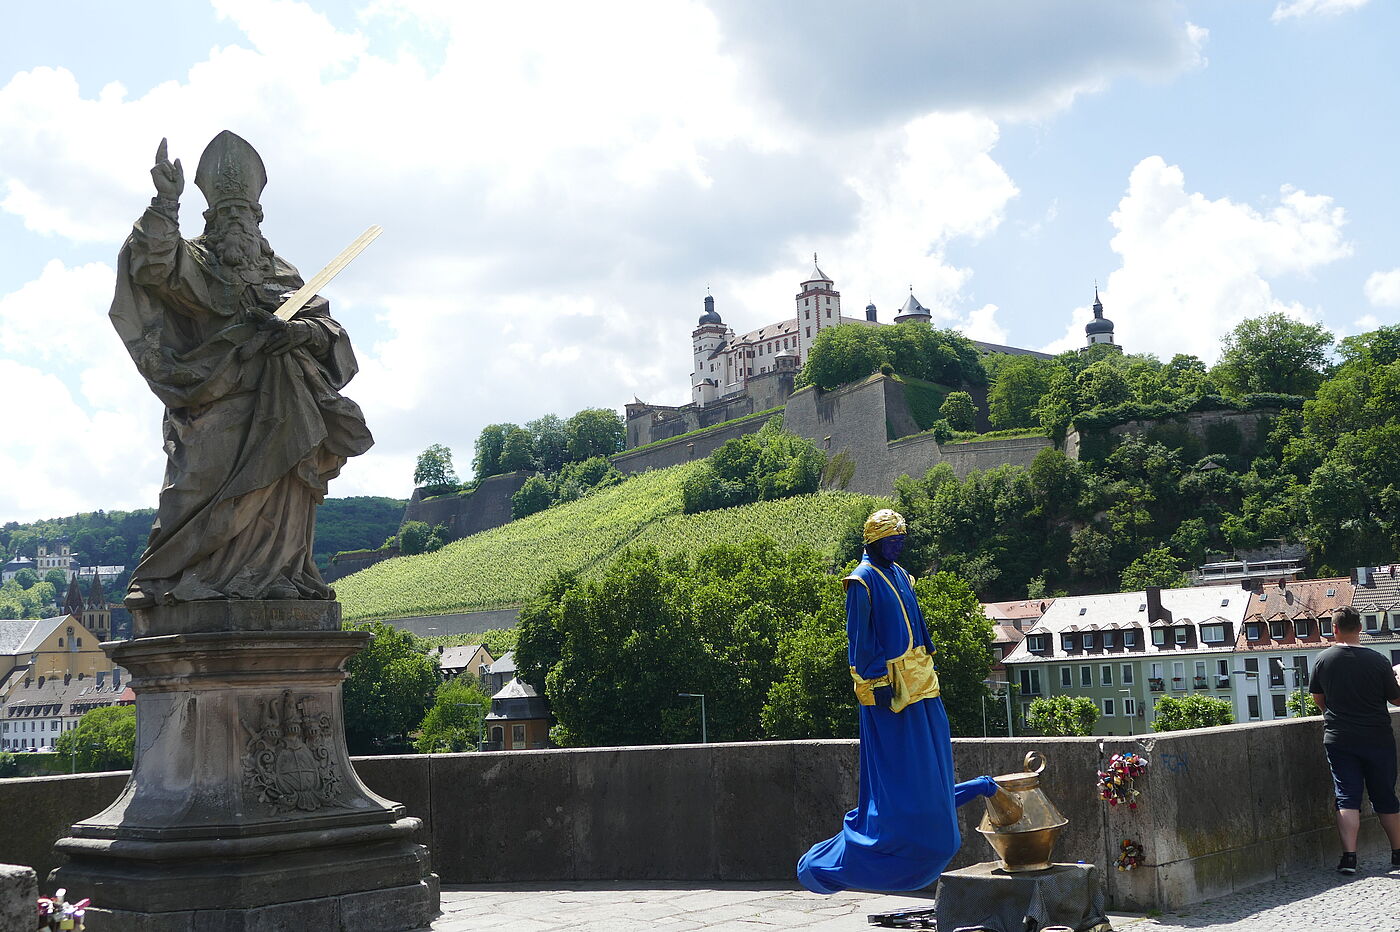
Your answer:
<point x="560" y="182"/>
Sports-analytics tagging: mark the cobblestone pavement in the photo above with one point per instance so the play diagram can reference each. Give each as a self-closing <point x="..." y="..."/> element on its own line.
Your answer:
<point x="1323" y="901"/>
<point x="1320" y="902"/>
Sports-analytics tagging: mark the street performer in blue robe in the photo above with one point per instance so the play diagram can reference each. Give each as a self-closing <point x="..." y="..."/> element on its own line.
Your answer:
<point x="904" y="830"/>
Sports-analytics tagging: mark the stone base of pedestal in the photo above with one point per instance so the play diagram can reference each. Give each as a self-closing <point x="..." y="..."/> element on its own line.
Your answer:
<point x="243" y="807"/>
<point x="396" y="909"/>
<point x="986" y="896"/>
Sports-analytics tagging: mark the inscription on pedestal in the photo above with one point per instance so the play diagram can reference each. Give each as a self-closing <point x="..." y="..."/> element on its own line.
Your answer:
<point x="287" y="761"/>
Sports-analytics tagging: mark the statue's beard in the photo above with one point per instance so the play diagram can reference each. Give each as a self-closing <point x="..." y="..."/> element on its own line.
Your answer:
<point x="239" y="248"/>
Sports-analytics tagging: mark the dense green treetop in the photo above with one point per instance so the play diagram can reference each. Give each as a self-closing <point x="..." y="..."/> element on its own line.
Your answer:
<point x="1063" y="716"/>
<point x="434" y="467"/>
<point x="390" y="687"/>
<point x="851" y="352"/>
<point x="105" y="739"/>
<point x="1193" y="711"/>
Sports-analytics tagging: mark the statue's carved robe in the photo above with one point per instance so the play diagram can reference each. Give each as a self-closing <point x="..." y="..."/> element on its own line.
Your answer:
<point x="251" y="439"/>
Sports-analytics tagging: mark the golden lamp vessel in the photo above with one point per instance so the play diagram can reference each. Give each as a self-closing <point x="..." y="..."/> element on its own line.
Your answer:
<point x="1021" y="822"/>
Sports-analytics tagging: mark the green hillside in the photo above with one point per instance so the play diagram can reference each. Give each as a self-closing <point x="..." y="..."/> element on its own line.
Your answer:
<point x="501" y="567"/>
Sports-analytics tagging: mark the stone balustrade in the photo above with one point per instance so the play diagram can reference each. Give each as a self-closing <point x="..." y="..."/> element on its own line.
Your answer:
<point x="1221" y="809"/>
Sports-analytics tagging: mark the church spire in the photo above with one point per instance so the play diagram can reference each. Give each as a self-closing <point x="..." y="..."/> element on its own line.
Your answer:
<point x="73" y="601"/>
<point x="97" y="599"/>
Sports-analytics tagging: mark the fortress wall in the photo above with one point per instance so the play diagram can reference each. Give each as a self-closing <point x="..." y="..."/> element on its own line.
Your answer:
<point x="1221" y="809"/>
<point x="986" y="454"/>
<point x="675" y="452"/>
<point x="850" y="420"/>
<point x="468" y="513"/>
<point x="1197" y="433"/>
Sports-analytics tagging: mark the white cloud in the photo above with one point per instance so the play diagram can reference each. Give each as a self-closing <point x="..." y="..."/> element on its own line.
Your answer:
<point x="1383" y="288"/>
<point x="556" y="189"/>
<point x="1192" y="268"/>
<point x="99" y="443"/>
<point x="885" y="61"/>
<point x="1297" y="9"/>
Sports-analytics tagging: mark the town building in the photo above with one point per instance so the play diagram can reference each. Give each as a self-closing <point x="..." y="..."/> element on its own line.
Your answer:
<point x="465" y="658"/>
<point x="15" y="566"/>
<point x="38" y="711"/>
<point x="1252" y="645"/>
<point x="60" y="558"/>
<point x="49" y="669"/>
<point x="1123" y="649"/>
<point x="498" y="673"/>
<point x="1010" y="622"/>
<point x="519" y="719"/>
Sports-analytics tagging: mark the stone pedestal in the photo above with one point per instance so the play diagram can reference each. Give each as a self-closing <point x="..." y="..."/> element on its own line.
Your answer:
<point x="243" y="811"/>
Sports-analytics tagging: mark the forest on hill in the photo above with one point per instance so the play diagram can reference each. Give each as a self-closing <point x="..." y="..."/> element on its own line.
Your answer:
<point x="117" y="538"/>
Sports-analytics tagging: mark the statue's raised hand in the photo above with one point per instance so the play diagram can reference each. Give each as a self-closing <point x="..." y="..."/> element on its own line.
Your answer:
<point x="168" y="176"/>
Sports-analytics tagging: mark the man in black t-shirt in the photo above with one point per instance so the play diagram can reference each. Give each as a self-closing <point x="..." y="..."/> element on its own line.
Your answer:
<point x="1352" y="684"/>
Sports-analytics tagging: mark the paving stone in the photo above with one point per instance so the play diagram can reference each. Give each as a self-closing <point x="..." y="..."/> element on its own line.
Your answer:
<point x="1310" y="902"/>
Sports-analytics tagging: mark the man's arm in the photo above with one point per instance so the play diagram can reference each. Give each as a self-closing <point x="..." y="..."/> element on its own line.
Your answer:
<point x="1321" y="701"/>
<point x="155" y="241"/>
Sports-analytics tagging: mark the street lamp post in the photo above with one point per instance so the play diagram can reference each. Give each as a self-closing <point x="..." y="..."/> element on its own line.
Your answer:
<point x="481" y="720"/>
<point x="1258" y="694"/>
<point x="704" y="728"/>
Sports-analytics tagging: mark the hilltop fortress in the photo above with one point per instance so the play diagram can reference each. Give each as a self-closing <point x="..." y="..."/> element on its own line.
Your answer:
<point x="737" y="382"/>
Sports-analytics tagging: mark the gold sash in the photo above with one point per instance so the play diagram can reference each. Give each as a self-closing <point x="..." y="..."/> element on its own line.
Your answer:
<point x="911" y="675"/>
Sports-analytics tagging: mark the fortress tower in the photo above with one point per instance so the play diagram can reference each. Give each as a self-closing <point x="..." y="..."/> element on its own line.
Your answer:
<point x="711" y="372"/>
<point x="1100" y="329"/>
<point x="818" y="307"/>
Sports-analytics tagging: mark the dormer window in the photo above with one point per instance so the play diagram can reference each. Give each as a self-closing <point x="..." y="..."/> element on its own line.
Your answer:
<point x="1276" y="630"/>
<point x="1253" y="631"/>
<point x="1159" y="637"/>
<point x="1089" y="641"/>
<point x="1300" y="627"/>
<point x="1324" y="627"/>
<point x="1066" y="642"/>
<point x="1130" y="638"/>
<point x="1181" y="635"/>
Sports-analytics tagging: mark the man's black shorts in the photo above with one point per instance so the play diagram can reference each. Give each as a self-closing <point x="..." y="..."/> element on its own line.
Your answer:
<point x="1369" y="765"/>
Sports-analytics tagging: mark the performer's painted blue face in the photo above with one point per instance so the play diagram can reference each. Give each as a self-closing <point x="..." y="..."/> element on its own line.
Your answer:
<point x="891" y="547"/>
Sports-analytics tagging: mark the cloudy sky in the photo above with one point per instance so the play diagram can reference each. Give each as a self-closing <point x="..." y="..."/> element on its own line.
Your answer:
<point x="560" y="182"/>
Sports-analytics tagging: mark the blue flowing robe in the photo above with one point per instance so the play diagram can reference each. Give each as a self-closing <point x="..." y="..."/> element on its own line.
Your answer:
<point x="904" y="830"/>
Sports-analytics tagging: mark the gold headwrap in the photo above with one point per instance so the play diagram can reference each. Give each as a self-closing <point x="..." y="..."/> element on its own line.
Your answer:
<point x="884" y="523"/>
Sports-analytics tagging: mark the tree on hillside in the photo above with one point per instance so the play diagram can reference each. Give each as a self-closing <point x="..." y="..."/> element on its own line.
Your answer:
<point x="490" y="443"/>
<point x="962" y="636"/>
<point x="1194" y="711"/>
<point x="418" y="537"/>
<point x="455" y="721"/>
<point x="959" y="411"/>
<point x="1273" y="353"/>
<point x="390" y="686"/>
<point x="619" y="648"/>
<point x="1157" y="567"/>
<point x="57" y="579"/>
<point x="813" y="699"/>
<point x="850" y="352"/>
<point x="1063" y="716"/>
<point x="434" y="467"/>
<point x="768" y="464"/>
<point x="595" y="432"/>
<point x="105" y="739"/>
<point x="549" y="440"/>
<point x="535" y="495"/>
<point x="1020" y="383"/>
<point x="517" y="450"/>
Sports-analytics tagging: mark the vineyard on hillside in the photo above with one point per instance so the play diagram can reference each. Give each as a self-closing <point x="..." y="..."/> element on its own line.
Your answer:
<point x="503" y="566"/>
